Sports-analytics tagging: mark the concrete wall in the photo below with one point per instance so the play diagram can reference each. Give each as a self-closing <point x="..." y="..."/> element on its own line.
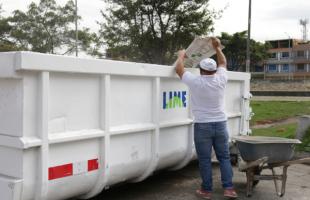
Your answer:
<point x="276" y="85"/>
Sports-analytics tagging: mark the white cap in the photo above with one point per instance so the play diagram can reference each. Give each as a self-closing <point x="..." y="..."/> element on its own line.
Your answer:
<point x="208" y="64"/>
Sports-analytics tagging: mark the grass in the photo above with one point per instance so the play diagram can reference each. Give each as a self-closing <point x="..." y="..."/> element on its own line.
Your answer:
<point x="286" y="131"/>
<point x="277" y="110"/>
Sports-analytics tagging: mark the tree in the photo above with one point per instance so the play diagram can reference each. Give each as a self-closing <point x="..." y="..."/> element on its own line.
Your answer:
<point x="88" y="42"/>
<point x="153" y="30"/>
<point x="49" y="28"/>
<point x="235" y="51"/>
<point x="5" y="44"/>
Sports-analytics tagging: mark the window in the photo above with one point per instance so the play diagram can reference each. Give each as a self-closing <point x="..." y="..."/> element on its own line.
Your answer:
<point x="285" y="54"/>
<point x="285" y="68"/>
<point x="274" y="44"/>
<point x="259" y="68"/>
<point x="285" y="43"/>
<point x="300" y="54"/>
<point x="301" y="67"/>
<point x="272" y="68"/>
<point x="273" y="55"/>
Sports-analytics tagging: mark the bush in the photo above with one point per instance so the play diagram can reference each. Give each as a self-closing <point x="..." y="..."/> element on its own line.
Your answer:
<point x="305" y="145"/>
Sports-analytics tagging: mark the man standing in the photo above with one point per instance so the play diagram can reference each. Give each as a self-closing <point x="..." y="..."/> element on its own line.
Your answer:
<point x="210" y="120"/>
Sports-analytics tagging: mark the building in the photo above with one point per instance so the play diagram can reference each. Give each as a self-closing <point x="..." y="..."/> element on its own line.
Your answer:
<point x="289" y="59"/>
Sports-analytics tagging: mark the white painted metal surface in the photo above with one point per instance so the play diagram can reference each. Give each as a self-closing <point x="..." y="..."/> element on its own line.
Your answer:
<point x="72" y="127"/>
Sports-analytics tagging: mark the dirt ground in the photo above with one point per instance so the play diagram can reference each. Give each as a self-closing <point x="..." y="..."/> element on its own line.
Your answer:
<point x="270" y="123"/>
<point x="181" y="185"/>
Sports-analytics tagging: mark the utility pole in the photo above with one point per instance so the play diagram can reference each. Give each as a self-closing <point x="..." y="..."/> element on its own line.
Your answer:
<point x="76" y="30"/>
<point x="247" y="67"/>
<point x="304" y="23"/>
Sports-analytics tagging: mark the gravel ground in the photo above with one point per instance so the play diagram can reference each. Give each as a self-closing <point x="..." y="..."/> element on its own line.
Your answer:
<point x="181" y="185"/>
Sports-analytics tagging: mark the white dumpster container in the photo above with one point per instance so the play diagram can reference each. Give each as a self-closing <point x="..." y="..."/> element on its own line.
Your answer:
<point x="71" y="127"/>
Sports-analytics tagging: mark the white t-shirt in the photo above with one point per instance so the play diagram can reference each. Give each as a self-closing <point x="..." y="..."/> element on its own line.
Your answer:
<point x="207" y="95"/>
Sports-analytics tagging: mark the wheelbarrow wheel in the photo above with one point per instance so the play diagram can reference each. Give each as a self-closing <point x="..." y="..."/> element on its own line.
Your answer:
<point x="257" y="171"/>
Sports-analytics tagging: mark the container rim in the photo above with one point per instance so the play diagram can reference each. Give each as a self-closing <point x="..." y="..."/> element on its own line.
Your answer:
<point x="265" y="140"/>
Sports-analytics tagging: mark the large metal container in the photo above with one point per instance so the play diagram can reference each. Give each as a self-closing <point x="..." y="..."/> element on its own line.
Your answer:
<point x="275" y="148"/>
<point x="72" y="127"/>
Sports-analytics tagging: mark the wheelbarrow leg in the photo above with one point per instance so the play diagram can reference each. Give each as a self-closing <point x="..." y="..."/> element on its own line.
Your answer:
<point x="249" y="178"/>
<point x="283" y="181"/>
<point x="275" y="182"/>
<point x="284" y="177"/>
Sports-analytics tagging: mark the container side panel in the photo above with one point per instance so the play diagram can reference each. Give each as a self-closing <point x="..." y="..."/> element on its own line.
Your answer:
<point x="11" y="162"/>
<point x="7" y="65"/>
<point x="72" y="168"/>
<point x="131" y="100"/>
<point x="173" y="145"/>
<point x="130" y="156"/>
<point x="10" y="189"/>
<point x="30" y="172"/>
<point x="31" y="102"/>
<point x="233" y="126"/>
<point x="233" y="97"/>
<point x="70" y="152"/>
<point x="11" y="106"/>
<point x="174" y="100"/>
<point x="72" y="186"/>
<point x="74" y="102"/>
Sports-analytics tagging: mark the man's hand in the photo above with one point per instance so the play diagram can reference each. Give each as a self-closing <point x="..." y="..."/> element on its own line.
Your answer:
<point x="221" y="59"/>
<point x="181" y="54"/>
<point x="216" y="43"/>
<point x="180" y="63"/>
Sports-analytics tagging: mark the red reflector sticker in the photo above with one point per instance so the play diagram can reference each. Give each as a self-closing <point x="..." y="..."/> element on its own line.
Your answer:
<point x="93" y="165"/>
<point x="60" y="171"/>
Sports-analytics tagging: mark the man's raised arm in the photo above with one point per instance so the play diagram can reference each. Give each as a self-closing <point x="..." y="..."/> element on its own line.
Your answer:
<point x="179" y="69"/>
<point x="221" y="59"/>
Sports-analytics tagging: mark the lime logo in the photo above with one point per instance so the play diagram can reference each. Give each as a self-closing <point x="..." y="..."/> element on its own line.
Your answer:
<point x="174" y="99"/>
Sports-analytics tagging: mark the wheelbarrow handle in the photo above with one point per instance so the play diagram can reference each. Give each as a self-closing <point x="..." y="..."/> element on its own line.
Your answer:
<point x="292" y="162"/>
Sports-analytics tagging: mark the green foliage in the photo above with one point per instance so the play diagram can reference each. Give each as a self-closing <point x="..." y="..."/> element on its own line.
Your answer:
<point x="235" y="51"/>
<point x="48" y="28"/>
<point x="42" y="27"/>
<point x="305" y="145"/>
<point x="277" y="110"/>
<point x="285" y="131"/>
<point x="152" y="31"/>
<point x="5" y="44"/>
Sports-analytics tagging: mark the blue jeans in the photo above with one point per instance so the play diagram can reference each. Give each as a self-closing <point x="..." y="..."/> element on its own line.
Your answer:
<point x="207" y="135"/>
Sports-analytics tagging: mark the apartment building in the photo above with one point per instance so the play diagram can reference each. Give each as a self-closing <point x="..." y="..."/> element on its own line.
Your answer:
<point x="289" y="59"/>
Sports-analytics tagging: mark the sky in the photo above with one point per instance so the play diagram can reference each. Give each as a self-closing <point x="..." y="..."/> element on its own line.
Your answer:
<point x="271" y="19"/>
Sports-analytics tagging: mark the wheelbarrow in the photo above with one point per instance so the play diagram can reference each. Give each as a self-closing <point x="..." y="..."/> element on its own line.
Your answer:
<point x="260" y="153"/>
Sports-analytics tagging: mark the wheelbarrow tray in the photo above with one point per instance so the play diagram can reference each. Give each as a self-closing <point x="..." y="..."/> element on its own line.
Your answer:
<point x="277" y="149"/>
